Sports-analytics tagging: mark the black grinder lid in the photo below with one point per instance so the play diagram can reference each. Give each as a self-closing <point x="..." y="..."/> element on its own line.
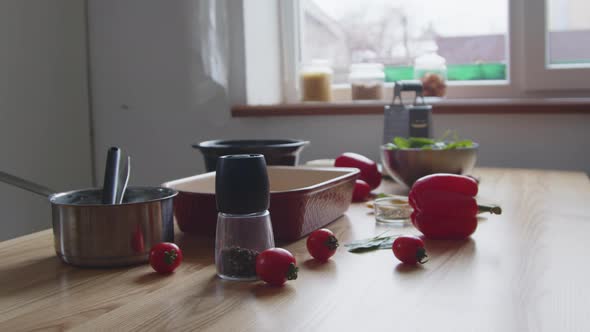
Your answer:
<point x="241" y="184"/>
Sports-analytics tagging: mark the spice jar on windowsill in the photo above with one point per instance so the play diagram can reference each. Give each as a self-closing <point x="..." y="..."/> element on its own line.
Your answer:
<point x="431" y="69"/>
<point x="316" y="81"/>
<point x="366" y="81"/>
<point x="243" y="223"/>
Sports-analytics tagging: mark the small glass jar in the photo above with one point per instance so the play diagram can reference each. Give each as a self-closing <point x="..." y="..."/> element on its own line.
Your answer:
<point x="240" y="238"/>
<point x="431" y="69"/>
<point x="366" y="81"/>
<point x="316" y="81"/>
<point x="393" y="210"/>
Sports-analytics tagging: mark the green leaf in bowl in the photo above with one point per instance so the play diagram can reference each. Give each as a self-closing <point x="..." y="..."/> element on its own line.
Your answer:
<point x="420" y="142"/>
<point x="424" y="143"/>
<point x="459" y="144"/>
<point x="401" y="143"/>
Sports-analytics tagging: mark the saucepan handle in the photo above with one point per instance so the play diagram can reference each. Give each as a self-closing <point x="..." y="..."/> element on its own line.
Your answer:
<point x="25" y="184"/>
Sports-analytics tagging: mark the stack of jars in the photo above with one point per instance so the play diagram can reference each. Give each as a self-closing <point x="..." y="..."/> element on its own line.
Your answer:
<point x="367" y="81"/>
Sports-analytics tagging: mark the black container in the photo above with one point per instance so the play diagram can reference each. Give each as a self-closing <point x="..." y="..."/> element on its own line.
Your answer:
<point x="241" y="184"/>
<point x="276" y="151"/>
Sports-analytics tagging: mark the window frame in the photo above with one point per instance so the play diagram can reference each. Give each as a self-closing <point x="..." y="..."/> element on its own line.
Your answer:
<point x="291" y="20"/>
<point x="532" y="78"/>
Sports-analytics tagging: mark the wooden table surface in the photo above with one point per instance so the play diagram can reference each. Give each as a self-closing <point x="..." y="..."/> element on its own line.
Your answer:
<point x="526" y="270"/>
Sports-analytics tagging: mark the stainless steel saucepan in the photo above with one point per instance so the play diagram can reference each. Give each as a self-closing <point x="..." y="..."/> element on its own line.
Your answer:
<point x="92" y="234"/>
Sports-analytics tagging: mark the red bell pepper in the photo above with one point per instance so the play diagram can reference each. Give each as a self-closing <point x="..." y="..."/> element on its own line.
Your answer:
<point x="438" y="202"/>
<point x="445" y="207"/>
<point x="446" y="182"/>
<point x="369" y="171"/>
<point x="443" y="227"/>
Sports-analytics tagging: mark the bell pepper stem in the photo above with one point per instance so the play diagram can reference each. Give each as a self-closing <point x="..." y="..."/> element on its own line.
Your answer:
<point x="493" y="209"/>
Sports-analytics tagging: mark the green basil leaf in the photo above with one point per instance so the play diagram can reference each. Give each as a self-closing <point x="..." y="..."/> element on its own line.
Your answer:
<point x="429" y="143"/>
<point x="383" y="195"/>
<point x="420" y="142"/>
<point x="401" y="143"/>
<point x="378" y="242"/>
<point x="459" y="144"/>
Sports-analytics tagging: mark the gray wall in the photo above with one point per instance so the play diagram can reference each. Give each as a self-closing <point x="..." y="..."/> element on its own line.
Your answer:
<point x="44" y="125"/>
<point x="146" y="74"/>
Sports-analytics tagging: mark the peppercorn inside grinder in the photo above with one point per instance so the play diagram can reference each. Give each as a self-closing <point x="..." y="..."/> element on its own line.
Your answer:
<point x="243" y="223"/>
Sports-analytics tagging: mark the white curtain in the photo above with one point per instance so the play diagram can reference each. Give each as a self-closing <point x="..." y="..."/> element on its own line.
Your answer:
<point x="211" y="44"/>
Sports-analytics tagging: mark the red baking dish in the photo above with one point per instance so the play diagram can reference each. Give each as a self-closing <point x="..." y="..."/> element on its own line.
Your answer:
<point x="301" y="200"/>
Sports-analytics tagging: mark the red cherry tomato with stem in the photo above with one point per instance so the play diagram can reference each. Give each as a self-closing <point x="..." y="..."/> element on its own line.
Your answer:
<point x="322" y="244"/>
<point x="409" y="249"/>
<point x="275" y="266"/>
<point x="165" y="257"/>
<point x="361" y="192"/>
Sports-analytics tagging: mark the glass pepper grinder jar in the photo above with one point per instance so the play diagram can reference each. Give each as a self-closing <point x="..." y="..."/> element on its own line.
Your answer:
<point x="243" y="223"/>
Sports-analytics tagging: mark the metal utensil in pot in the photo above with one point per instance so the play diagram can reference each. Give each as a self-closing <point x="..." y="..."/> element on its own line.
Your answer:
<point x="91" y="234"/>
<point x="110" y="188"/>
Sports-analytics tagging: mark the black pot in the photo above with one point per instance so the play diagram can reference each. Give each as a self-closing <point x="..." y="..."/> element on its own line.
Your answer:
<point x="276" y="151"/>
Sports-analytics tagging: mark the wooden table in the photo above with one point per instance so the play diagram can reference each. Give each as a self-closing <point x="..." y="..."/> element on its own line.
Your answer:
<point x="526" y="270"/>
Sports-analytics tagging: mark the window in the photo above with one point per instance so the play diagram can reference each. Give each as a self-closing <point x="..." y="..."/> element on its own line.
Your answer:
<point x="394" y="33"/>
<point x="568" y="33"/>
<point x="493" y="48"/>
<point x="556" y="33"/>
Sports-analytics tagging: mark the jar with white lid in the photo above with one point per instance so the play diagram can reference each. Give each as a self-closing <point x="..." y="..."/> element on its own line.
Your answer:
<point x="316" y="81"/>
<point x="366" y="81"/>
<point x="431" y="69"/>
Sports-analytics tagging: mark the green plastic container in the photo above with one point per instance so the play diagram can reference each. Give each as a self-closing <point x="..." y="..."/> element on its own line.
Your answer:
<point x="461" y="72"/>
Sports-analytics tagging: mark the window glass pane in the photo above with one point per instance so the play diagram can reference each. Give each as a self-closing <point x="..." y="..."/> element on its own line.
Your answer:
<point x="568" y="32"/>
<point x="470" y="34"/>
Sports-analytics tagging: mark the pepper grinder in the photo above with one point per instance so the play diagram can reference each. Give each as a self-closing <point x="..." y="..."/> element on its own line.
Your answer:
<point x="243" y="223"/>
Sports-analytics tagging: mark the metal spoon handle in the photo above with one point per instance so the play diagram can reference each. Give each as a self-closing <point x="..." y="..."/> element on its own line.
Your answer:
<point x="25" y="184"/>
<point x="111" y="176"/>
<point x="123" y="180"/>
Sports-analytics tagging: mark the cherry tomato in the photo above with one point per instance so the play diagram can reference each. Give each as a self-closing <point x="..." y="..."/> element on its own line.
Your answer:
<point x="275" y="266"/>
<point x="165" y="257"/>
<point x="409" y="249"/>
<point x="369" y="171"/>
<point x="361" y="192"/>
<point x="322" y="244"/>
